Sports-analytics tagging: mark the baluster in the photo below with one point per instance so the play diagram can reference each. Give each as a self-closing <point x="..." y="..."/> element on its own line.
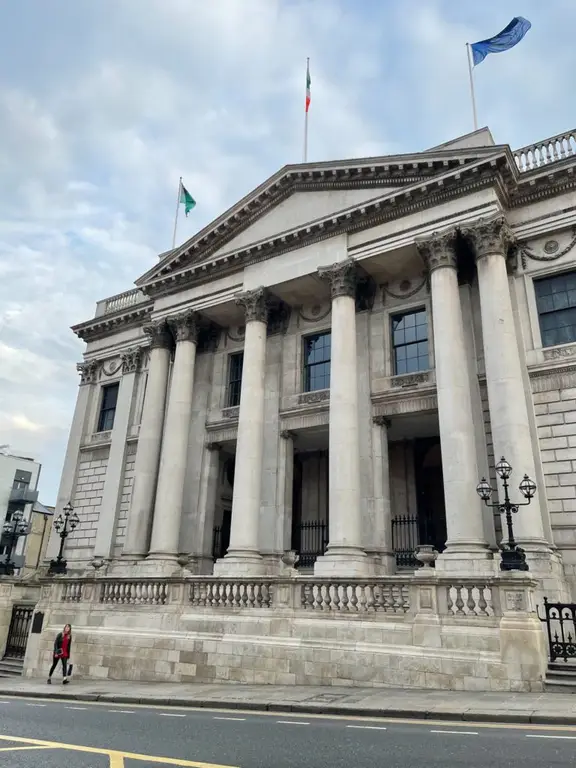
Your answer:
<point x="244" y="594"/>
<point x="353" y="598"/>
<point x="482" y="604"/>
<point x="362" y="600"/>
<point x="450" y="599"/>
<point x="306" y="596"/>
<point x="251" y="589"/>
<point x="335" y="597"/>
<point x="325" y="597"/>
<point x="379" y="599"/>
<point x="370" y="602"/>
<point x="344" y="602"/>
<point x="471" y="602"/>
<point x="459" y="601"/>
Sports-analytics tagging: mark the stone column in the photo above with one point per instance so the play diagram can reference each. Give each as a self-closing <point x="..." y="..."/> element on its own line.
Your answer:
<point x="209" y="481"/>
<point x="164" y="543"/>
<point x="112" y="493"/>
<point x="491" y="238"/>
<point x="464" y="522"/>
<point x="344" y="555"/>
<point x="149" y="442"/>
<point x="381" y="493"/>
<point x="243" y="556"/>
<point x="285" y="489"/>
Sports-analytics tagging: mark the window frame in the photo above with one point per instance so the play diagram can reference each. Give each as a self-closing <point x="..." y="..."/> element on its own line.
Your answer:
<point x="558" y="273"/>
<point x="232" y="384"/>
<point x="101" y="424"/>
<point x="307" y="367"/>
<point x="401" y="312"/>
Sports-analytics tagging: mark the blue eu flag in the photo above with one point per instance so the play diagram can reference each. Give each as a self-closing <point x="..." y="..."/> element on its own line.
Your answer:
<point x="508" y="38"/>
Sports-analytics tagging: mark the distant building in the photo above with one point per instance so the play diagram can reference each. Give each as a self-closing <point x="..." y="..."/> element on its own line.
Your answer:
<point x="37" y="540"/>
<point x="18" y="492"/>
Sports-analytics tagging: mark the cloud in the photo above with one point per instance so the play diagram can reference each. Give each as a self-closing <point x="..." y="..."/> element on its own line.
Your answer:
<point x="104" y="105"/>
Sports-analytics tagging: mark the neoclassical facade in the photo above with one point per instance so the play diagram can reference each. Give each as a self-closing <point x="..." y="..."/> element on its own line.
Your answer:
<point x="313" y="385"/>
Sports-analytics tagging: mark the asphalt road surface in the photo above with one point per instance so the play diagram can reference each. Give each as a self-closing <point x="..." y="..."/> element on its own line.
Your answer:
<point x="53" y="734"/>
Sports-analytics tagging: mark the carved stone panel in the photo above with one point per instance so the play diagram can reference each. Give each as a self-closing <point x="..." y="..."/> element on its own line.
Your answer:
<point x="410" y="379"/>
<point x="309" y="398"/>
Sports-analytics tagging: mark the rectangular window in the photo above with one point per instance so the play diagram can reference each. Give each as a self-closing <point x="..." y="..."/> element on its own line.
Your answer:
<point x="556" y="303"/>
<point x="410" y="342"/>
<point x="317" y="353"/>
<point x="108" y="407"/>
<point x="235" y="366"/>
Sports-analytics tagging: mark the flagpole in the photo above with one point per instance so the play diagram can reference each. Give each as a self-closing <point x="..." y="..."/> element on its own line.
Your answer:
<point x="305" y="154"/>
<point x="176" y="216"/>
<point x="472" y="92"/>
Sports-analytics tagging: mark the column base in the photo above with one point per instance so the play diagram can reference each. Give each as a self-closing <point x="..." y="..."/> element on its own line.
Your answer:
<point x="160" y="564"/>
<point x="467" y="559"/>
<point x="348" y="562"/>
<point x="239" y="564"/>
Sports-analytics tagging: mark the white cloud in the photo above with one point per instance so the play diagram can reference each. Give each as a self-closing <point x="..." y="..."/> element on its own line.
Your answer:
<point x="104" y="105"/>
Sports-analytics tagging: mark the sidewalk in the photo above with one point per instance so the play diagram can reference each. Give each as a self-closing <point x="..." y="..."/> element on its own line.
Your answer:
<point x="538" y="708"/>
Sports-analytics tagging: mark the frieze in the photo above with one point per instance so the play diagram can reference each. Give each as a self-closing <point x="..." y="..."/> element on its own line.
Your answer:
<point x="231" y="413"/>
<point x="255" y="305"/>
<point x="551" y="250"/>
<point x="438" y="250"/>
<point x="159" y="334"/>
<point x="131" y="360"/>
<point x="88" y="371"/>
<point x="559" y="353"/>
<point x="489" y="236"/>
<point x="398" y="407"/>
<point x="184" y="326"/>
<point x="410" y="380"/>
<point x="342" y="276"/>
<point x="309" y="398"/>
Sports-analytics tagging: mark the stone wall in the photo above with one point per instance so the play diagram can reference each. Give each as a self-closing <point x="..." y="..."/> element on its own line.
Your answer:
<point x="400" y="632"/>
<point x="86" y="500"/>
<point x="125" y="499"/>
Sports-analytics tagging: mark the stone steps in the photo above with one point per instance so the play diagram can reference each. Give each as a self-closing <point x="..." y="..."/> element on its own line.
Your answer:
<point x="11" y="667"/>
<point x="561" y="678"/>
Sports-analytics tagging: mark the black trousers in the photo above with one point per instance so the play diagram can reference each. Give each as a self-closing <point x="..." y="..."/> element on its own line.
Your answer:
<point x="55" y="664"/>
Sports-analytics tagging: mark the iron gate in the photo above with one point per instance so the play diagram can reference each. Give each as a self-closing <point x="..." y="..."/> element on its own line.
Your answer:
<point x="560" y="619"/>
<point x="309" y="540"/>
<point x="19" y="631"/>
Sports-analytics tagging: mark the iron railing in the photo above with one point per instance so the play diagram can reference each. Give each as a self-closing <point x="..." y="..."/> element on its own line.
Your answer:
<point x="405" y="535"/>
<point x="560" y="620"/>
<point x="310" y="540"/>
<point x="18" y="631"/>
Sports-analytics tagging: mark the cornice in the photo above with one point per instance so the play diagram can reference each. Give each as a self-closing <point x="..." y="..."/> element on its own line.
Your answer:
<point x="105" y="325"/>
<point x="468" y="178"/>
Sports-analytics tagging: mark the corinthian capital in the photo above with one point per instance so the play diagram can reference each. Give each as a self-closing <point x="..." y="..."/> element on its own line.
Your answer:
<point x="184" y="326"/>
<point x="88" y="371"/>
<point x="438" y="250"/>
<point x="489" y="235"/>
<point x="131" y="360"/>
<point x="342" y="277"/>
<point x="255" y="304"/>
<point x="159" y="335"/>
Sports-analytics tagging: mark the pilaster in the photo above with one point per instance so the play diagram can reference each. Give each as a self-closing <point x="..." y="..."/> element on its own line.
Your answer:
<point x="381" y="536"/>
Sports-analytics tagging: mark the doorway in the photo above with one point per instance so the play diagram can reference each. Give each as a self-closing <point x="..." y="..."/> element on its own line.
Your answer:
<point x="430" y="492"/>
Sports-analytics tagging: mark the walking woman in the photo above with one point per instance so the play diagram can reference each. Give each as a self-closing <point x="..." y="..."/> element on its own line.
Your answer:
<point x="62" y="649"/>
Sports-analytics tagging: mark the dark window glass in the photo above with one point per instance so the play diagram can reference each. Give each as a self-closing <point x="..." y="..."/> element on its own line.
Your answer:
<point x="235" y="365"/>
<point x="108" y="407"/>
<point x="317" y="350"/>
<point x="410" y="342"/>
<point x="556" y="302"/>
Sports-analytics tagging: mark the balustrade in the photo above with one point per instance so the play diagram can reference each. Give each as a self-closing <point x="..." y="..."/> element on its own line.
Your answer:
<point x="470" y="600"/>
<point x="134" y="592"/>
<point x="72" y="592"/>
<point x="356" y="597"/>
<point x="124" y="300"/>
<point x="231" y="594"/>
<point x="545" y="152"/>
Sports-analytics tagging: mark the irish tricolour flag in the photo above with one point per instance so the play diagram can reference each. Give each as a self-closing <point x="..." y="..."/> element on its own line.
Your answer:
<point x="308" y="83"/>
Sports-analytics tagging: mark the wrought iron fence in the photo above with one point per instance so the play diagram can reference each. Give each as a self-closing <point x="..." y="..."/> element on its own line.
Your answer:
<point x="405" y="535"/>
<point x="18" y="631"/>
<point x="310" y="540"/>
<point x="560" y="619"/>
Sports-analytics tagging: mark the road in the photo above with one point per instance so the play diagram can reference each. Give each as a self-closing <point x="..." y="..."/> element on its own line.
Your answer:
<point x="52" y="734"/>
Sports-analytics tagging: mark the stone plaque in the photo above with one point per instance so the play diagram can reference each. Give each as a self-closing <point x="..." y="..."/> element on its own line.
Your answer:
<point x="515" y="601"/>
<point x="426" y="598"/>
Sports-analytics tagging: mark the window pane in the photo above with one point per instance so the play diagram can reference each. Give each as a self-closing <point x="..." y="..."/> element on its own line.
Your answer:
<point x="422" y="332"/>
<point x="400" y="367"/>
<point x="410" y="335"/>
<point x="556" y="303"/>
<point x="110" y="396"/>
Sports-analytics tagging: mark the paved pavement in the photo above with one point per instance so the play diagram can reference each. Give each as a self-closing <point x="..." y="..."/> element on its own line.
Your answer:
<point x="538" y="708"/>
<point x="49" y="734"/>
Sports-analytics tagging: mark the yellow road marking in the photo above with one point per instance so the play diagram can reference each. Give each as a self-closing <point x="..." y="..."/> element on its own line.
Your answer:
<point x="21" y="749"/>
<point x="116" y="758"/>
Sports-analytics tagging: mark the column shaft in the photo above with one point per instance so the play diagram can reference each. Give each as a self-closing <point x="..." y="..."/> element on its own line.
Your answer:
<point x="243" y="556"/>
<point x="206" y="507"/>
<point x="112" y="493"/>
<point x="149" y="443"/>
<point x="464" y="521"/>
<point x="164" y="543"/>
<point x="381" y="492"/>
<point x="344" y="555"/>
<point x="285" y="491"/>
<point x="506" y="393"/>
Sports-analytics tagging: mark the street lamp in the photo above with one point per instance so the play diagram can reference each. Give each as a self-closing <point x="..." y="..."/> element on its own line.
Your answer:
<point x="63" y="525"/>
<point x="513" y="556"/>
<point x="12" y="530"/>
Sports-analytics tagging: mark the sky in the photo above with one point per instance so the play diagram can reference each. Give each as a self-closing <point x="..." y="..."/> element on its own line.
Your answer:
<point x="105" y="103"/>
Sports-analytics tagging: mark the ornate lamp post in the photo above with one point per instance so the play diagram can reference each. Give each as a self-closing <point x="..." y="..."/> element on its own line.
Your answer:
<point x="12" y="530"/>
<point x="63" y="525"/>
<point x="513" y="556"/>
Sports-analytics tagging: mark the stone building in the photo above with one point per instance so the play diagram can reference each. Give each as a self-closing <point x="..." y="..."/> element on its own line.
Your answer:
<point x="329" y="368"/>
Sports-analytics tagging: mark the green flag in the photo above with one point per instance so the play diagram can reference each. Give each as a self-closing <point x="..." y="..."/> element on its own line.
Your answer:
<point x="186" y="199"/>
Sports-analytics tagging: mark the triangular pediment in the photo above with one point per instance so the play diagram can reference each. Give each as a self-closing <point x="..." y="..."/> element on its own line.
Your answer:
<point x="299" y="194"/>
